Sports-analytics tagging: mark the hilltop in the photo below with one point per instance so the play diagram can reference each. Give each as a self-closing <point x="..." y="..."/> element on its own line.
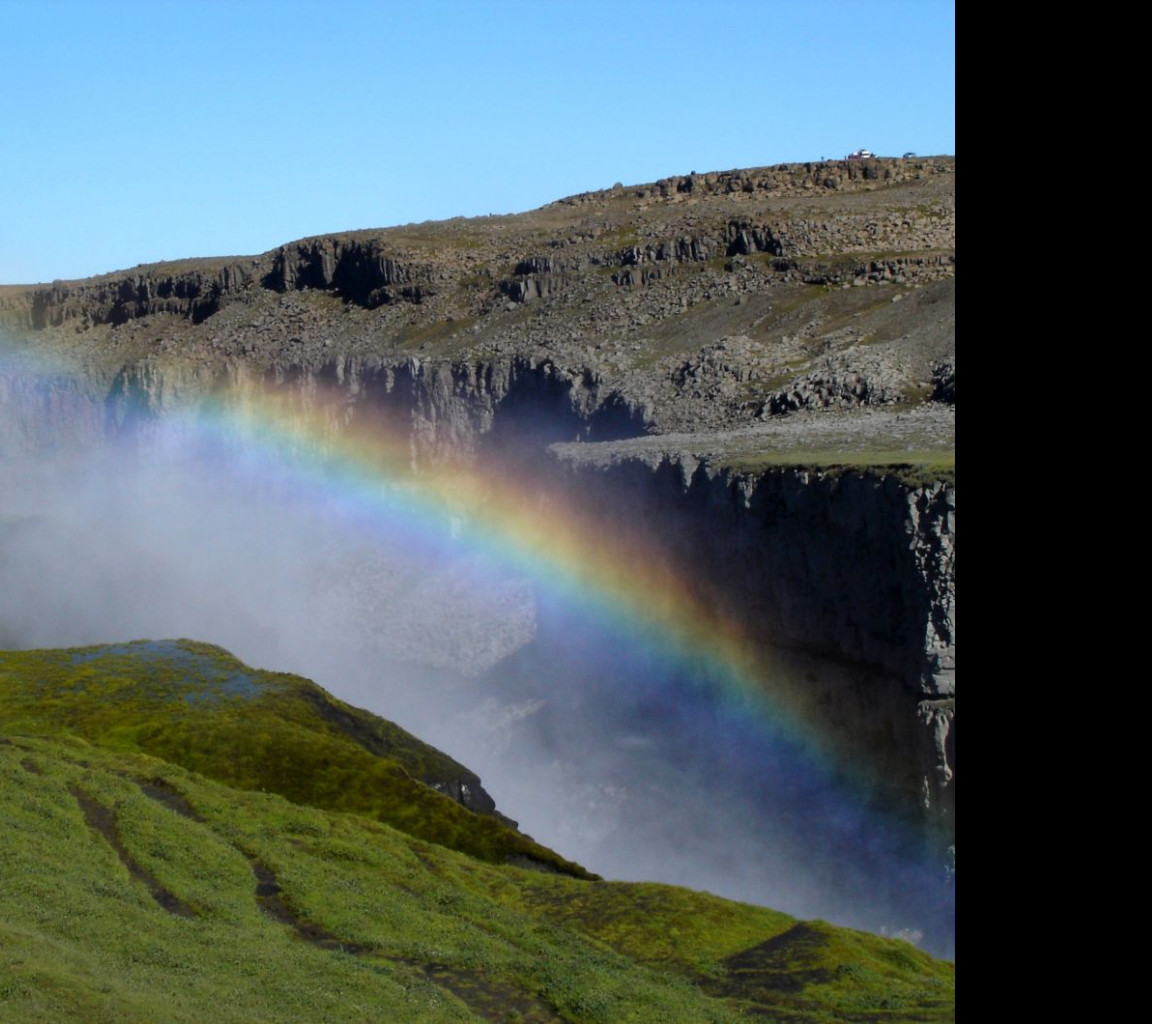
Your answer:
<point x="198" y="706"/>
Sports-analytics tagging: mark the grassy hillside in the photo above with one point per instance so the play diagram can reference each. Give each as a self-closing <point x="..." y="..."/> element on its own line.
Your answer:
<point x="197" y="706"/>
<point x="137" y="890"/>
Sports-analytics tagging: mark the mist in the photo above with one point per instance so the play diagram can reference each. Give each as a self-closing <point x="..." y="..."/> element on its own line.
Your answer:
<point x="598" y="745"/>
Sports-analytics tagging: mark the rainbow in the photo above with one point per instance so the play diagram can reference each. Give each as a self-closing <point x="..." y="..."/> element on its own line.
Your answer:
<point x="646" y="624"/>
<point x="622" y="581"/>
<point x="341" y="452"/>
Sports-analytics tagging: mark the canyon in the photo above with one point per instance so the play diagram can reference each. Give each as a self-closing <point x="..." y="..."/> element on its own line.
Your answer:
<point x="744" y="378"/>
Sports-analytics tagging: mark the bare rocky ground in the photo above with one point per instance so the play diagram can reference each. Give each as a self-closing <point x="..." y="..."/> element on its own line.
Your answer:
<point x="836" y="438"/>
<point x="699" y="303"/>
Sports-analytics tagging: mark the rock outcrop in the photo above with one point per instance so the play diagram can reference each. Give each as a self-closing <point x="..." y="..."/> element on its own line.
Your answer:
<point x="855" y="571"/>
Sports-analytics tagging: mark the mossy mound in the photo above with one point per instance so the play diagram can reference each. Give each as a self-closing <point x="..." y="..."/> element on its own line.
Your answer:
<point x="197" y="706"/>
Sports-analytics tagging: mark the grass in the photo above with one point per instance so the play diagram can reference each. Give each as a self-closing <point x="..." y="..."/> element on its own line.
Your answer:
<point x="450" y="334"/>
<point x="370" y="923"/>
<point x="913" y="468"/>
<point x="197" y="706"/>
<point x="621" y="237"/>
<point x="134" y="888"/>
<point x="843" y="260"/>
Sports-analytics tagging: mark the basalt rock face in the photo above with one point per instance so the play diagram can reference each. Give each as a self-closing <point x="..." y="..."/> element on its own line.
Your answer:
<point x="116" y="299"/>
<point x="445" y="410"/>
<point x="358" y="271"/>
<point x="782" y="179"/>
<point x="45" y="412"/>
<point x="852" y="575"/>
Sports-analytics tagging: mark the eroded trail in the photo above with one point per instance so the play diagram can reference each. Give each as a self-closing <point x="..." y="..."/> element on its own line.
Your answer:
<point x="489" y="998"/>
<point x="102" y="822"/>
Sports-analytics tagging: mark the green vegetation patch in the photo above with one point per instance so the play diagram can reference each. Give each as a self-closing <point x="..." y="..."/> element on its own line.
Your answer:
<point x="862" y="978"/>
<point x="445" y="336"/>
<point x="300" y="914"/>
<point x="197" y="706"/>
<point x="914" y="468"/>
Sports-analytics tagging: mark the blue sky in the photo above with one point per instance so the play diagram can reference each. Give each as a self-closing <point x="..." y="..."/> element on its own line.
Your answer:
<point x="133" y="132"/>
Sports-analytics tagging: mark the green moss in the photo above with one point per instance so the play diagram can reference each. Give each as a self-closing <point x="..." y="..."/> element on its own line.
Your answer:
<point x="622" y="237"/>
<point x="441" y="334"/>
<point x="373" y="924"/>
<point x="197" y="706"/>
<point x="916" y="468"/>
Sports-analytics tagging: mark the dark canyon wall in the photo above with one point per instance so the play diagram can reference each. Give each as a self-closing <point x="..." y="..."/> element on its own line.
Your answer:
<point x="846" y="581"/>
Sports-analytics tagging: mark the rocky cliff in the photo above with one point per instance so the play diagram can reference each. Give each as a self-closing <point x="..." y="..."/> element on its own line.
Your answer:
<point x="845" y="578"/>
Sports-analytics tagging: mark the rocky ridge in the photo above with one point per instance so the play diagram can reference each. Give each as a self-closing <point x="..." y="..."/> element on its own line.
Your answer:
<point x="634" y="288"/>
